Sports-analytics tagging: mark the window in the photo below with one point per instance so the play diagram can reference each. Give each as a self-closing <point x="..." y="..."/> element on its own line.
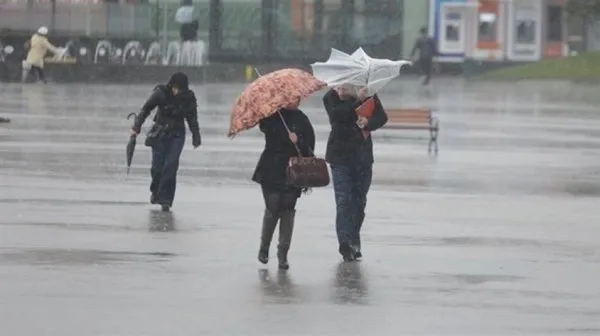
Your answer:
<point x="452" y="28"/>
<point x="525" y="26"/>
<point x="555" y="23"/>
<point x="487" y="27"/>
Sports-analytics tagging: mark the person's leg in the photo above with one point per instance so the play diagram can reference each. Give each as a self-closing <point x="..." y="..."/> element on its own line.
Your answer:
<point x="168" y="179"/>
<point x="41" y="75"/>
<point x="270" y="218"/>
<point x="158" y="162"/>
<point x="286" y="226"/>
<point x="342" y="186"/>
<point x="427" y="65"/>
<point x="365" y="175"/>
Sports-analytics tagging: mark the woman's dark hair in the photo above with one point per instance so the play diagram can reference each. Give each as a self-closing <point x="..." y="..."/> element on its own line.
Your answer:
<point x="186" y="2"/>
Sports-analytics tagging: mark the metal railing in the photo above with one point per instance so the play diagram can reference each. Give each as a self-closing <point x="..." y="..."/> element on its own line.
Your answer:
<point x="283" y="28"/>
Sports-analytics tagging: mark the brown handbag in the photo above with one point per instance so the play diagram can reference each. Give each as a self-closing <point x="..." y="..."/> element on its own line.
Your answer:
<point x="303" y="171"/>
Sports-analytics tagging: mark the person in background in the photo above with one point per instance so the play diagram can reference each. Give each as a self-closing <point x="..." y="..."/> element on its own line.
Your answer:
<point x="280" y="198"/>
<point x="350" y="155"/>
<point x="176" y="103"/>
<point x="38" y="47"/>
<point x="187" y="18"/>
<point x="427" y="51"/>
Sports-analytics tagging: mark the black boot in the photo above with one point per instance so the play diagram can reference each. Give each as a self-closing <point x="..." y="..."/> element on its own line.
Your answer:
<point x="268" y="227"/>
<point x="286" y="228"/>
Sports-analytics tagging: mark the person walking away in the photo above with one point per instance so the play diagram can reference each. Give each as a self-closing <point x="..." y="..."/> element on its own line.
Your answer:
<point x="176" y="103"/>
<point x="187" y="18"/>
<point x="38" y="47"/>
<point x="427" y="51"/>
<point x="350" y="155"/>
<point x="280" y="199"/>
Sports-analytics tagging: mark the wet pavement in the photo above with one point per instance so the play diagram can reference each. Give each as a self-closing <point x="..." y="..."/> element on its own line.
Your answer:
<point x="496" y="236"/>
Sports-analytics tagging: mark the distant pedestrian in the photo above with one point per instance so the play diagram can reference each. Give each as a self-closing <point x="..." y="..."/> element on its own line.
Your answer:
<point x="187" y="17"/>
<point x="38" y="47"/>
<point x="350" y="155"/>
<point x="427" y="49"/>
<point x="176" y="104"/>
<point x="280" y="198"/>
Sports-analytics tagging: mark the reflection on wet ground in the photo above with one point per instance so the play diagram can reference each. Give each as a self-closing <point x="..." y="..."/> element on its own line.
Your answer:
<point x="498" y="235"/>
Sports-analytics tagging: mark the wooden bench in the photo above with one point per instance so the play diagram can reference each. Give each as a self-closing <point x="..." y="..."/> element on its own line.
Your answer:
<point x="415" y="119"/>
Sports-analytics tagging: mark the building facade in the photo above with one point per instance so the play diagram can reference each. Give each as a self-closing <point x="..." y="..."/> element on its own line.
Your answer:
<point x="498" y="30"/>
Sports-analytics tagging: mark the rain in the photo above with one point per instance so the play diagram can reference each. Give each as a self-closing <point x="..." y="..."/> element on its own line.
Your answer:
<point x="496" y="235"/>
<point x="493" y="233"/>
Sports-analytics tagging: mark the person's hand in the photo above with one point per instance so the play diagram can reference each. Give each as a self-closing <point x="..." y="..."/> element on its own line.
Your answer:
<point x="362" y="93"/>
<point x="362" y="121"/>
<point x="293" y="137"/>
<point x="133" y="132"/>
<point x="196" y="142"/>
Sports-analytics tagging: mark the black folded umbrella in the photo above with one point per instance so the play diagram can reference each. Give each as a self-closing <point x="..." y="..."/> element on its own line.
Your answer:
<point x="131" y="144"/>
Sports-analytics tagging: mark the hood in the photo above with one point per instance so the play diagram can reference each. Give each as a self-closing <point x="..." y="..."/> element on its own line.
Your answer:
<point x="180" y="80"/>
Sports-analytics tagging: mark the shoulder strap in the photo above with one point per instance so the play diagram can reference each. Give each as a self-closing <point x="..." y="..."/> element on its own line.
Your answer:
<point x="287" y="129"/>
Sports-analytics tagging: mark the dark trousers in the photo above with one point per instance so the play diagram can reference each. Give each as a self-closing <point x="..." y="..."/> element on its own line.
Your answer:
<point x="279" y="200"/>
<point x="426" y="65"/>
<point x="38" y="73"/>
<point x="165" y="163"/>
<point x="350" y="184"/>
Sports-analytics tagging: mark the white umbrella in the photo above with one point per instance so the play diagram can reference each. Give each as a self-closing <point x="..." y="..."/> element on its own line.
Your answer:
<point x="380" y="71"/>
<point x="340" y="69"/>
<point x="359" y="70"/>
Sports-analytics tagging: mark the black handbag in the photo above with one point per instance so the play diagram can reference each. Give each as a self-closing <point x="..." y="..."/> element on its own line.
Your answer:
<point x="155" y="134"/>
<point x="305" y="171"/>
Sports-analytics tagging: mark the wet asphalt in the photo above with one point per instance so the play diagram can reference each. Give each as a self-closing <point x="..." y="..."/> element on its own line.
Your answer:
<point x="497" y="235"/>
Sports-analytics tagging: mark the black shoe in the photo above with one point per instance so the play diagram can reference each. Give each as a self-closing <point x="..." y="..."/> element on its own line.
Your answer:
<point x="346" y="252"/>
<point x="283" y="265"/>
<point x="263" y="256"/>
<point x="357" y="255"/>
<point x="153" y="199"/>
<point x="165" y="208"/>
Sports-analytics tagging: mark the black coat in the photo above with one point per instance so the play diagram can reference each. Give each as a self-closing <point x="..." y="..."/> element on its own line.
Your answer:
<point x="172" y="111"/>
<point x="346" y="144"/>
<point x="271" y="168"/>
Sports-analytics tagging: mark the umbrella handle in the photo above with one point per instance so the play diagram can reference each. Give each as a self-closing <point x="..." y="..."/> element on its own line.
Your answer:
<point x="131" y="114"/>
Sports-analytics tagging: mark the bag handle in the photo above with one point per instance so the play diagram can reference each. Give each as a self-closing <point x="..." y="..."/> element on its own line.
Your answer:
<point x="287" y="129"/>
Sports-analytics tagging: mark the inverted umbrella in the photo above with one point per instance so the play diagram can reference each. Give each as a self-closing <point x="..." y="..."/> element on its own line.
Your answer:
<point x="380" y="71"/>
<point x="358" y="70"/>
<point x="130" y="145"/>
<point x="341" y="69"/>
<point x="269" y="93"/>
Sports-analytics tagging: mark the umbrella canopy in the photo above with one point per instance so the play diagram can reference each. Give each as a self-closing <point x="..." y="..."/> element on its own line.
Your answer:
<point x="269" y="93"/>
<point x="358" y="70"/>
<point x="341" y="69"/>
<point x="130" y="145"/>
<point x="380" y="71"/>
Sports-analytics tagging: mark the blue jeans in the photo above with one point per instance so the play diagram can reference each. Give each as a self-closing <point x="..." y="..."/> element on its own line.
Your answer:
<point x="165" y="163"/>
<point x="351" y="185"/>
